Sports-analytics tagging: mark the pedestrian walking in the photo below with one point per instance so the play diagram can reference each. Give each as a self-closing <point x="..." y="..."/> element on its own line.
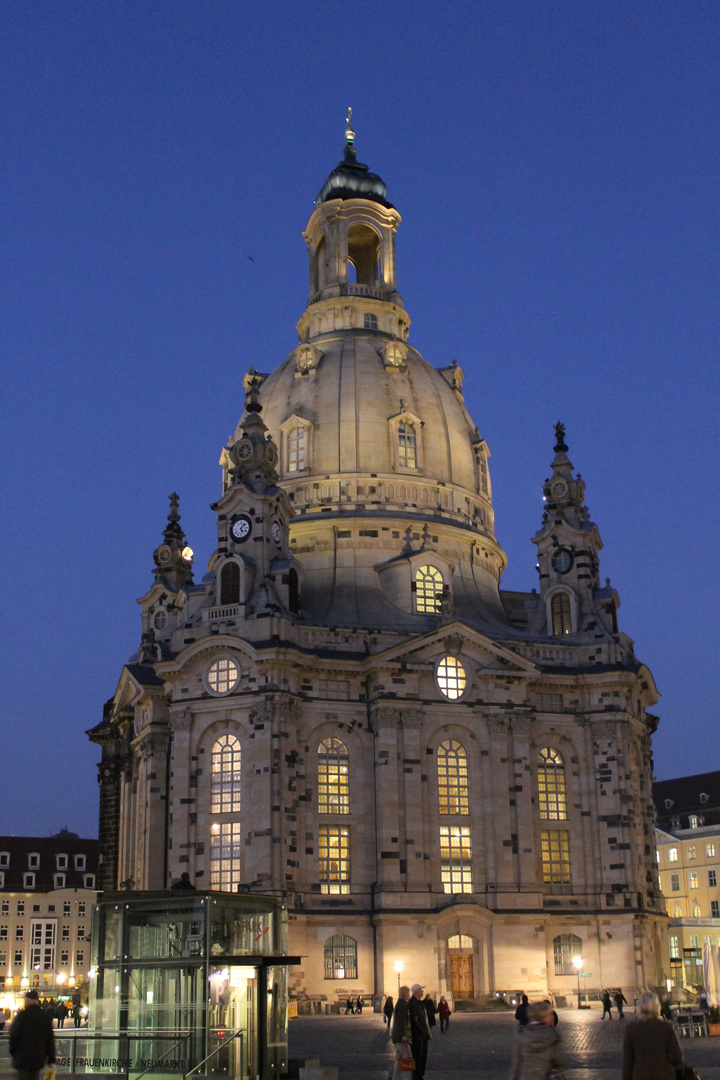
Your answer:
<point x="444" y="1014"/>
<point x="521" y="1013"/>
<point x="401" y="1030"/>
<point x="77" y="1014"/>
<point x="420" y="1030"/>
<point x="61" y="1014"/>
<point x="349" y="1007"/>
<point x="619" y="1002"/>
<point x="388" y="1011"/>
<point x="31" y="1042"/>
<point x="359" y="1005"/>
<point x="607" y="1005"/>
<point x="651" y="1050"/>
<point x="538" y="1051"/>
<point x="430" y="1009"/>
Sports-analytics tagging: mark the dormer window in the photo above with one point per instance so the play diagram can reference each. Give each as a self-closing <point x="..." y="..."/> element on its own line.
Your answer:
<point x="295" y="445"/>
<point x="704" y="797"/>
<point x="407" y="446"/>
<point x="669" y="803"/>
<point x="59" y="881"/>
<point x="61" y="862"/>
<point x="80" y="862"/>
<point x="34" y="860"/>
<point x="429" y="587"/>
<point x="693" y="821"/>
<point x="4" y="859"/>
<point x="406" y="440"/>
<point x="28" y="881"/>
<point x="89" y="881"/>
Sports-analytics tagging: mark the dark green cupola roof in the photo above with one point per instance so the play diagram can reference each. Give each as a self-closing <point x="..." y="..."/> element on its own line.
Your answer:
<point x="353" y="180"/>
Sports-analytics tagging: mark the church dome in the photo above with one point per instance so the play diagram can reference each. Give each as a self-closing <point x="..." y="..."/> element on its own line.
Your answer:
<point x="375" y="444"/>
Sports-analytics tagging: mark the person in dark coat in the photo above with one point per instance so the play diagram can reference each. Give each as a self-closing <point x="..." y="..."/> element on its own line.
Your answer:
<point x="401" y="1028"/>
<point x="607" y="1005"/>
<point x="430" y="1009"/>
<point x="61" y="1013"/>
<point x="619" y="1002"/>
<point x="349" y="1007"/>
<point x="77" y="1014"/>
<point x="359" y="1005"/>
<point x="420" y="1030"/>
<point x="31" y="1042"/>
<point x="521" y="1013"/>
<point x="388" y="1011"/>
<point x="444" y="1013"/>
<point x="651" y="1050"/>
<point x="538" y="1051"/>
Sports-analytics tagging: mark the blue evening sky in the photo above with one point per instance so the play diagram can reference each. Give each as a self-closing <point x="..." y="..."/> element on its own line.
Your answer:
<point x="556" y="165"/>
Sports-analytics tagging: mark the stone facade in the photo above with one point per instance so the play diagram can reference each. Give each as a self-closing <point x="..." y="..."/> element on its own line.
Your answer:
<point x="348" y="712"/>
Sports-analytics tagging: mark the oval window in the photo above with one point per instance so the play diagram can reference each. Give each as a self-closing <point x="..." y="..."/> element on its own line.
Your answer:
<point x="223" y="675"/>
<point x="451" y="678"/>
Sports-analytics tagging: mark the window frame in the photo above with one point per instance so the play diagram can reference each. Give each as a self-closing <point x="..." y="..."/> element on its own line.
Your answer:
<point x="552" y="768"/>
<point x="555" y="860"/>
<point x="286" y="429"/>
<point x="214" y="664"/>
<point x="565" y="947"/>
<point x="462" y="675"/>
<point x="456" y="860"/>
<point x="422" y="601"/>
<point x="453" y="799"/>
<point x="555" y="596"/>
<point x="334" y="864"/>
<point x="333" y="760"/>
<point x="340" y="954"/>
<point x="226" y="794"/>
<point x="399" y="462"/>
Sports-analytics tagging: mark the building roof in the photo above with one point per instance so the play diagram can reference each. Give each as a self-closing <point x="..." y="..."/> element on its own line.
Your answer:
<point x="16" y="862"/>
<point x="679" y="799"/>
<point x="353" y="180"/>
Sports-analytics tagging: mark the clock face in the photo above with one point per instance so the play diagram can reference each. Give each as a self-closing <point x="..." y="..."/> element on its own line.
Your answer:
<point x="241" y="527"/>
<point x="559" y="489"/>
<point x="562" y="561"/>
<point x="164" y="554"/>
<point x="276" y="531"/>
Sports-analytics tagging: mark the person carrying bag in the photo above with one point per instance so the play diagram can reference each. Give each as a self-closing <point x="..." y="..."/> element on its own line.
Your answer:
<point x="402" y="1037"/>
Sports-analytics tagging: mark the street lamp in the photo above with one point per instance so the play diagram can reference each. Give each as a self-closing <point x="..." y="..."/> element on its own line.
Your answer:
<point x="399" y="967"/>
<point x="577" y="964"/>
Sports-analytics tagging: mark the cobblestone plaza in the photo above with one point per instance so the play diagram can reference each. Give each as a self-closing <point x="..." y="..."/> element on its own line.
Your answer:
<point x="476" y="1046"/>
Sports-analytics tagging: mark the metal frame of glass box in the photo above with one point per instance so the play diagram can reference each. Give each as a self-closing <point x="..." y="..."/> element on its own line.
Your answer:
<point x="207" y="964"/>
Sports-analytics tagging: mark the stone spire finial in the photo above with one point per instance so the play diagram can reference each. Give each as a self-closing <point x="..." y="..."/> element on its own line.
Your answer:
<point x="174" y="558"/>
<point x="254" y="455"/>
<point x="560" y="444"/>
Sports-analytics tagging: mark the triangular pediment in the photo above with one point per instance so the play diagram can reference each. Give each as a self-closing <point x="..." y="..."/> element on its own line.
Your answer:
<point x="136" y="681"/>
<point x="457" y="637"/>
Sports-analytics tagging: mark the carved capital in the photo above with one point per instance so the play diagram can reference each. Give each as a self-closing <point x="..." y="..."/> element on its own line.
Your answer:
<point x="152" y="743"/>
<point x="180" y="722"/>
<point x="497" y="725"/>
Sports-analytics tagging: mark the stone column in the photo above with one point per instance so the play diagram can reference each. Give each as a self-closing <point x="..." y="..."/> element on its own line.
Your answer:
<point x="152" y="746"/>
<point x="183" y="809"/>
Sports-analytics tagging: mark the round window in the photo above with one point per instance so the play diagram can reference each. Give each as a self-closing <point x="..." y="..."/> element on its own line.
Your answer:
<point x="160" y="619"/>
<point x="223" y="675"/>
<point x="451" y="678"/>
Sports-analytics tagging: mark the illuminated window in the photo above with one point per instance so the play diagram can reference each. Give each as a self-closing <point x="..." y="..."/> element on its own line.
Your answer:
<point x="334" y="859"/>
<point x="455" y="858"/>
<point x="551" y="785"/>
<point x="565" y="947"/>
<point x="672" y="854"/>
<point x="428" y="590"/>
<point x="712" y="879"/>
<point x="674" y="947"/>
<point x="560" y="609"/>
<point x="460" y="941"/>
<point x="225" y="779"/>
<point x="225" y="856"/>
<point x="710" y="851"/>
<point x="692" y="852"/>
<point x="693" y="821"/>
<point x="340" y="957"/>
<point x="694" y="883"/>
<point x="451" y="678"/>
<point x="394" y="356"/>
<point x="407" y="446"/>
<point x="452" y="778"/>
<point x="297" y="449"/>
<point x="230" y="583"/>
<point x="223" y="675"/>
<point x="675" y="883"/>
<point x="555" y="849"/>
<point x="333" y="777"/>
<point x="696" y="911"/>
<point x="677" y="914"/>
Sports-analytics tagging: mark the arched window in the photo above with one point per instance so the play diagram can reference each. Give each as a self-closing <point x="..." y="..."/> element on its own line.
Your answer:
<point x="340" y="957"/>
<point x="565" y="947"/>
<point x="293" y="591"/>
<point x="225" y="779"/>
<point x="429" y="587"/>
<point x="460" y="941"/>
<point x="297" y="449"/>
<point x="407" y="446"/>
<point x="561" y="619"/>
<point x="363" y="253"/>
<point x="452" y="778"/>
<point x="230" y="583"/>
<point x="551" y="785"/>
<point x="696" y="911"/>
<point x="677" y="914"/>
<point x="333" y="770"/>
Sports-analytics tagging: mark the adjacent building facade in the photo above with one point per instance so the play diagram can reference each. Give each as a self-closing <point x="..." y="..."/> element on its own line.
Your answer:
<point x="688" y="843"/>
<point x="47" y="894"/>
<point x="347" y="710"/>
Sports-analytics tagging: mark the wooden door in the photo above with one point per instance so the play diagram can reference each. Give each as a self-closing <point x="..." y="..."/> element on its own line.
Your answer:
<point x="461" y="976"/>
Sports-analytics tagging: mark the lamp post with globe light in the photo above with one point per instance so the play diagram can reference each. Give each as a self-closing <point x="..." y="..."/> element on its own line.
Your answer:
<point x="399" y="967"/>
<point x="577" y="964"/>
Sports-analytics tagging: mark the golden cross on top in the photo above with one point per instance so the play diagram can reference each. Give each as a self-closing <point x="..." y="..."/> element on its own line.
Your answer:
<point x="349" y="133"/>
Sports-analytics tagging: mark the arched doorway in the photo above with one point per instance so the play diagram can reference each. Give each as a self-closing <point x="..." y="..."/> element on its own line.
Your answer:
<point x="461" y="950"/>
